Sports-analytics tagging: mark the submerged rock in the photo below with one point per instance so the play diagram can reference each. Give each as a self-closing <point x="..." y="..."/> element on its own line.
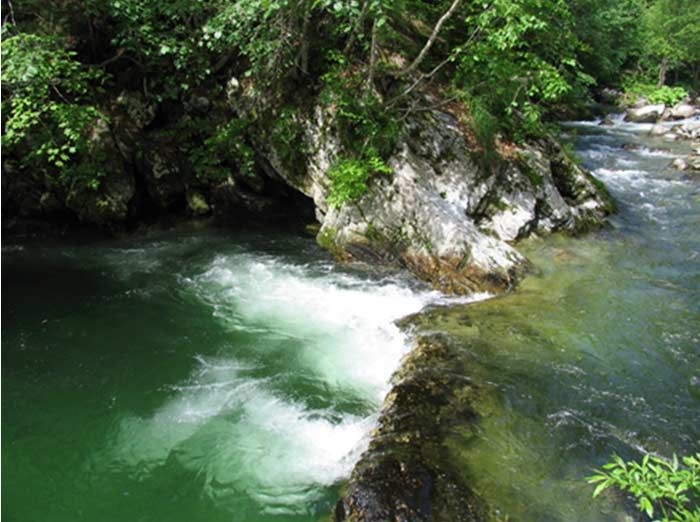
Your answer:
<point x="406" y="473"/>
<point x="658" y="130"/>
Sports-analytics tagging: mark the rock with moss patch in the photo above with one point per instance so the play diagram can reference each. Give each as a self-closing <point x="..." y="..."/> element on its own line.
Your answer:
<point x="444" y="216"/>
<point x="407" y="473"/>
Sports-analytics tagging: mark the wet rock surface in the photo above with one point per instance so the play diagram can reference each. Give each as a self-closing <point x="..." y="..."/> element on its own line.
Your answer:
<point x="406" y="473"/>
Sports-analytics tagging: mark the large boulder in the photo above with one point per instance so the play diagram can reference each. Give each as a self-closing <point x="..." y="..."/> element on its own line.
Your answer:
<point x="444" y="215"/>
<point x="689" y="130"/>
<point x="646" y="113"/>
<point x="162" y="171"/>
<point x="682" y="111"/>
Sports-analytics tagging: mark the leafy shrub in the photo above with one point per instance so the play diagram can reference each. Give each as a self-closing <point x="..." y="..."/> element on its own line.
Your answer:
<point x="350" y="177"/>
<point x="668" y="95"/>
<point x="660" y="486"/>
<point x="46" y="108"/>
<point x="224" y="148"/>
<point x="665" y="94"/>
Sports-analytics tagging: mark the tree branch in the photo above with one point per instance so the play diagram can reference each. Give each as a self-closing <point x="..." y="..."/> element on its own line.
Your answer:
<point x="439" y="66"/>
<point x="436" y="30"/>
<point x="372" y="55"/>
<point x="357" y="26"/>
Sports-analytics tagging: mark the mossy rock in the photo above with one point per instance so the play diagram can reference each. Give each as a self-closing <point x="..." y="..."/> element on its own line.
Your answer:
<point x="406" y="473"/>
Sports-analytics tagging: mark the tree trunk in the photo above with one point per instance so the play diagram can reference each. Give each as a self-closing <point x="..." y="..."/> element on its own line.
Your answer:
<point x="305" y="44"/>
<point x="372" y="56"/>
<point x="662" y="72"/>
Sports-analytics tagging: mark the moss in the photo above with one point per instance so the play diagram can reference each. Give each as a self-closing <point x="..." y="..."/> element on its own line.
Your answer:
<point x="326" y="237"/>
<point x="407" y="472"/>
<point x="372" y="234"/>
<point x="197" y="204"/>
<point x="536" y="179"/>
<point x="524" y="164"/>
<point x="609" y="203"/>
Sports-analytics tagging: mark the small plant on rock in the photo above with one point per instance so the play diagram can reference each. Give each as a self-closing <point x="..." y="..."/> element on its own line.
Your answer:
<point x="667" y="491"/>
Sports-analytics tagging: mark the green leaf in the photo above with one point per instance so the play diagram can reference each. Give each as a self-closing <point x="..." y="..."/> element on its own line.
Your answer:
<point x="600" y="488"/>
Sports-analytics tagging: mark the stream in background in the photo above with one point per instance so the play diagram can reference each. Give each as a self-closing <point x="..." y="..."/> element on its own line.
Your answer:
<point x="596" y="353"/>
<point x="207" y="375"/>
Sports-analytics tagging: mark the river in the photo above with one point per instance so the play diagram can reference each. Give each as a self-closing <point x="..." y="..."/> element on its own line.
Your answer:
<point x="202" y="374"/>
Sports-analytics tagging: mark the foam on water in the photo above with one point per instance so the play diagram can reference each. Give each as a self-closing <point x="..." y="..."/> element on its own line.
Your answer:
<point x="654" y="153"/>
<point x="342" y="322"/>
<point x="234" y="423"/>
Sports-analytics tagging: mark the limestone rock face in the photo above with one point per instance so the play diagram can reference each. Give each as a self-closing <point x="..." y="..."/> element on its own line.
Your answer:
<point x="162" y="173"/>
<point x="108" y="203"/>
<point x="442" y="214"/>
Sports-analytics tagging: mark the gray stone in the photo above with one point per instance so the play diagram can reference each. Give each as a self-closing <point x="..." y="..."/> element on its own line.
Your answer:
<point x="645" y="114"/>
<point x="690" y="129"/>
<point x="682" y="111"/>
<point x="137" y="108"/>
<point x="442" y="215"/>
<point x="679" y="164"/>
<point x="106" y="204"/>
<point x="164" y="180"/>
<point x="50" y="203"/>
<point x="198" y="105"/>
<point x="640" y="102"/>
<point x="658" y="130"/>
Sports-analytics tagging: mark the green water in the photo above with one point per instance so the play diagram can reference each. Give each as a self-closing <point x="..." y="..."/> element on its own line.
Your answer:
<point x="597" y="353"/>
<point x="209" y="375"/>
<point x="194" y="375"/>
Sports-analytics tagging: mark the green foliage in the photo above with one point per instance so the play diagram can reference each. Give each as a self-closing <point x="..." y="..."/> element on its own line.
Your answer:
<point x="610" y="35"/>
<point x="49" y="114"/>
<point x="271" y="35"/>
<point x="362" y="119"/>
<point x="287" y="136"/>
<point x="350" y="177"/>
<point x="661" y="487"/>
<point x="665" y="94"/>
<point x="672" y="32"/>
<point x="163" y="38"/>
<point x="371" y="64"/>
<point x="223" y="151"/>
<point x="520" y="60"/>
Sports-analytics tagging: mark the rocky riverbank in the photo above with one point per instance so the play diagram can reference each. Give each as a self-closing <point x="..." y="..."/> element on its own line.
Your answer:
<point x="445" y="212"/>
<point x="679" y="122"/>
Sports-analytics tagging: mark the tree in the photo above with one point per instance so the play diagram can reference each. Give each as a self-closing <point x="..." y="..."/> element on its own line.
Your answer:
<point x="673" y="38"/>
<point x="49" y="99"/>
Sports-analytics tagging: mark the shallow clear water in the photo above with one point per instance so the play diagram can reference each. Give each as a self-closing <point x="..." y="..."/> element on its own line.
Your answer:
<point x="206" y="375"/>
<point x="598" y="352"/>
